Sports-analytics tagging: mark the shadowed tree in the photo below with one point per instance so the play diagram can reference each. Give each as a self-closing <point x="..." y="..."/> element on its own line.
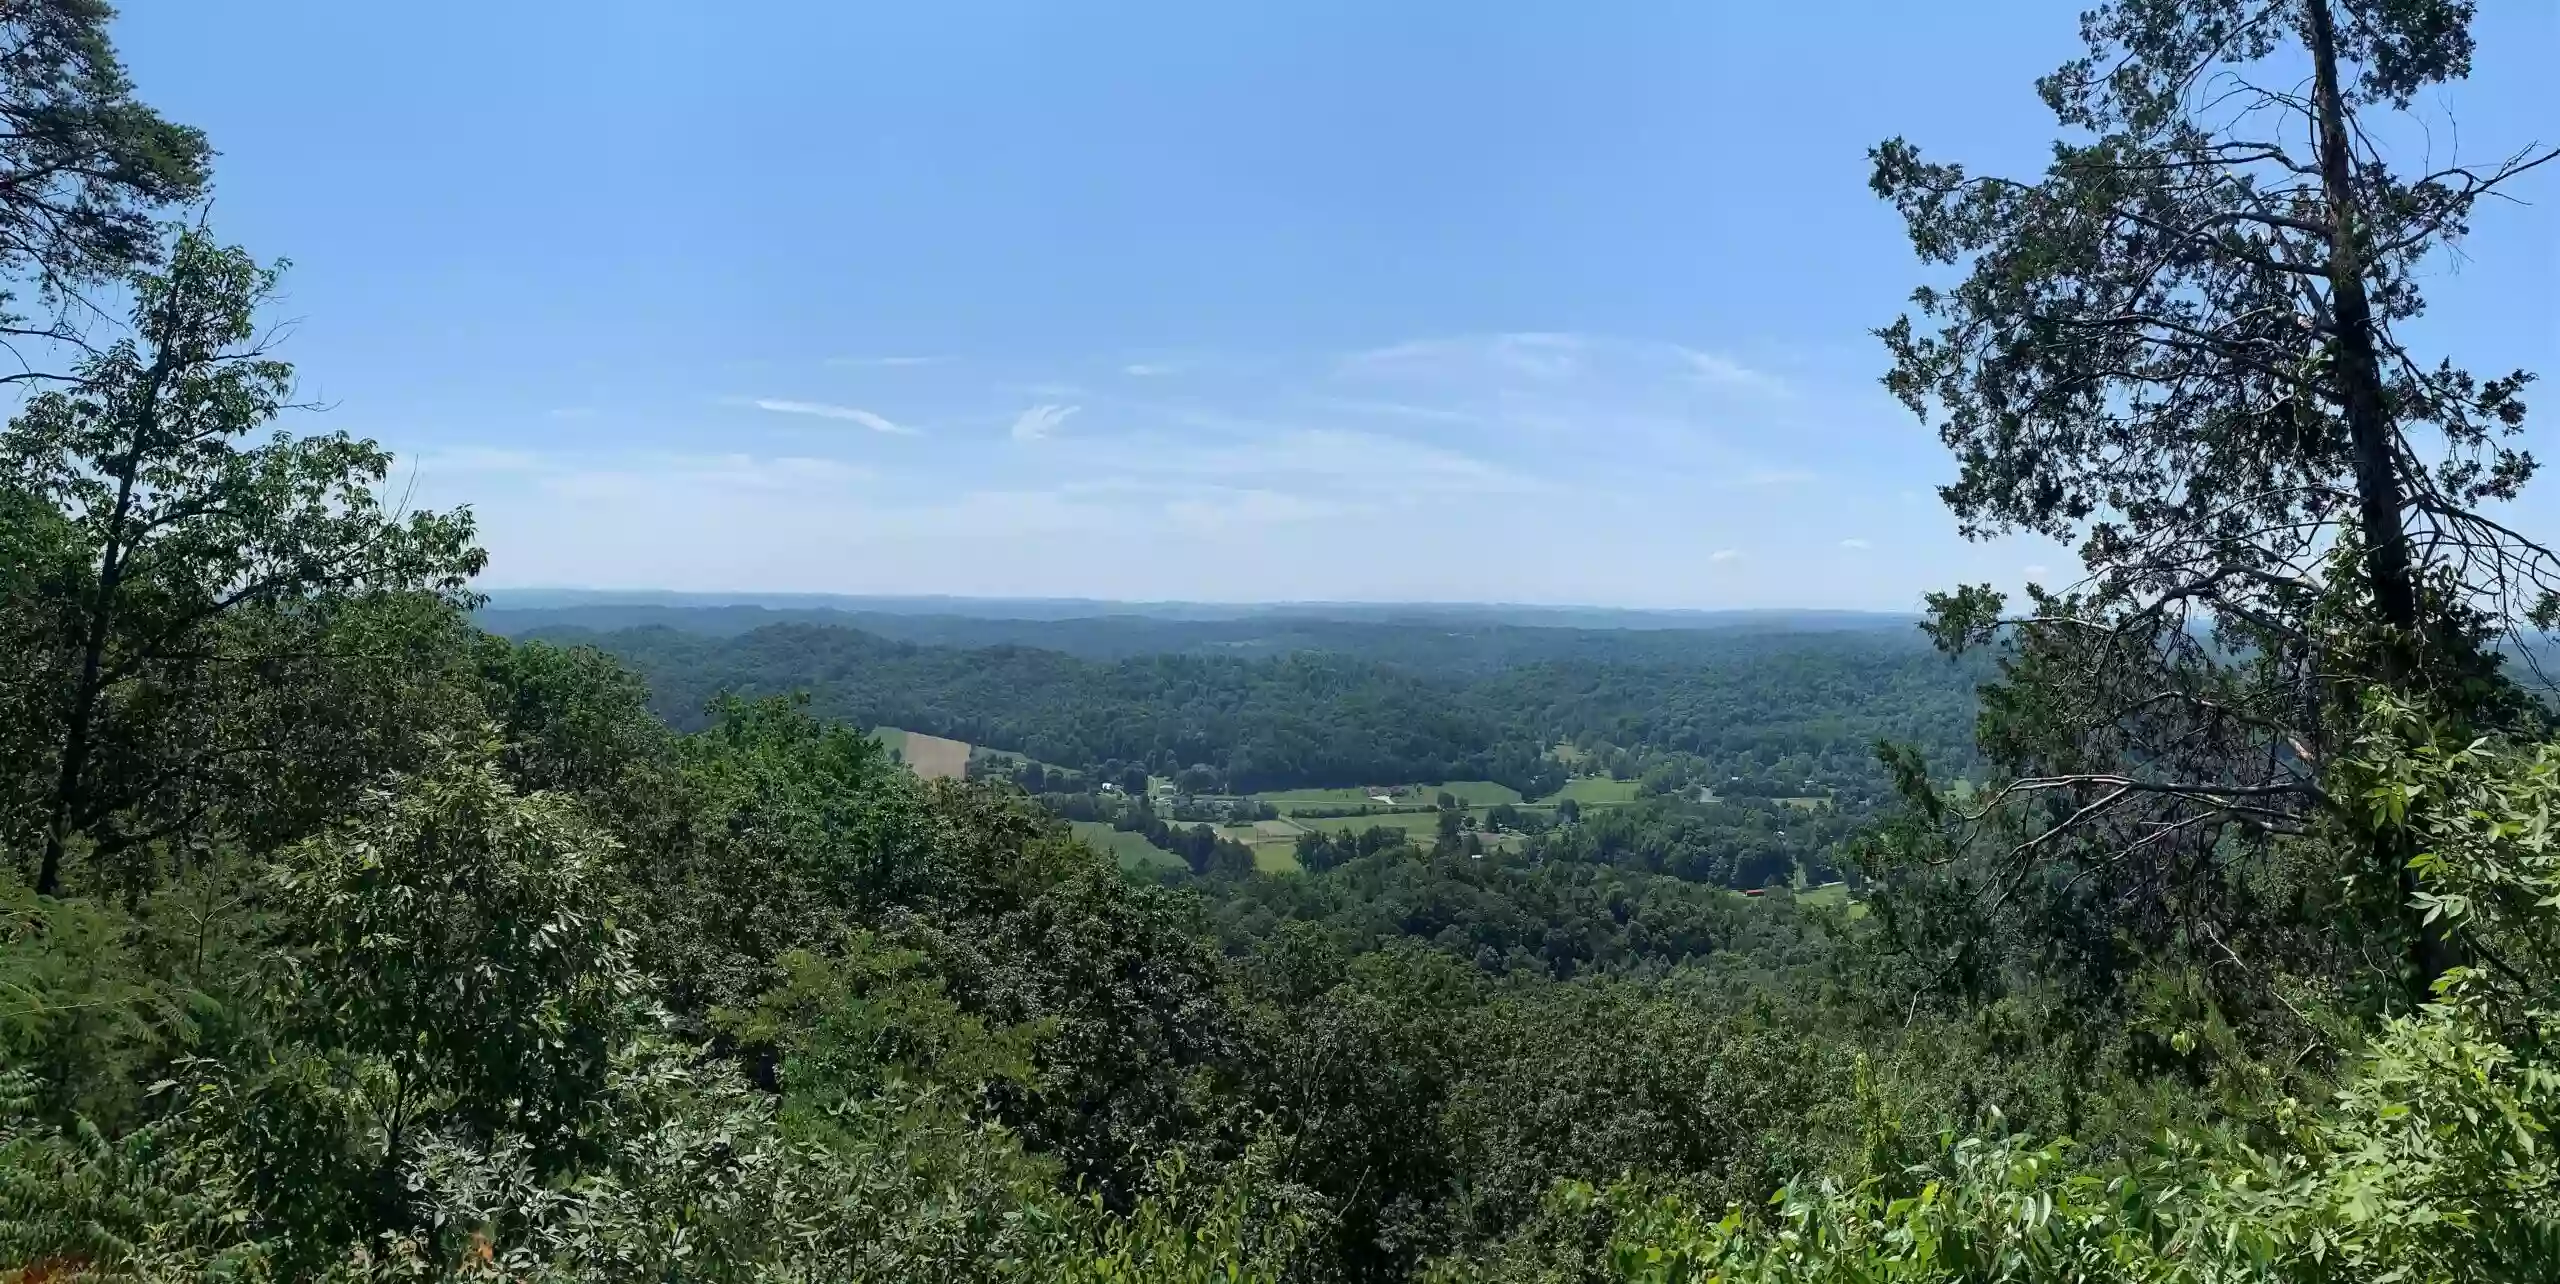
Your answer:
<point x="83" y="165"/>
<point x="2181" y="349"/>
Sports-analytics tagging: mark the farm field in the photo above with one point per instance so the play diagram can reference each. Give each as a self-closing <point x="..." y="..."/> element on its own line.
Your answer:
<point x="1832" y="896"/>
<point x="1421" y="823"/>
<point x="1005" y="758"/>
<point x="1287" y="800"/>
<point x="1133" y="851"/>
<point x="1596" y="791"/>
<point x="1276" y="857"/>
<point x="1474" y="793"/>
<point x="932" y="757"/>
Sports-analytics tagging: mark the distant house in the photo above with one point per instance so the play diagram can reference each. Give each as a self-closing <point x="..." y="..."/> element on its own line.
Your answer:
<point x="1382" y="798"/>
<point x="1110" y="788"/>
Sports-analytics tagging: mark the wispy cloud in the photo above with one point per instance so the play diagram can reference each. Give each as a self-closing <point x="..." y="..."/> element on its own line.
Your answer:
<point x="2036" y="572"/>
<point x="1327" y="457"/>
<point x="887" y="361"/>
<point x="1038" y="422"/>
<point x="1855" y="543"/>
<point x="1717" y="368"/>
<point x="849" y="414"/>
<point x="1536" y="355"/>
<point x="1394" y="410"/>
<point x="1149" y="369"/>
<point x="1724" y="555"/>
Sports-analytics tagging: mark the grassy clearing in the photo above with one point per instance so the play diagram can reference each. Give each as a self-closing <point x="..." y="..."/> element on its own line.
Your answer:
<point x="1473" y="793"/>
<point x="1805" y="803"/>
<point x="1289" y="800"/>
<point x="1596" y="791"/>
<point x="1276" y="858"/>
<point x="1009" y="759"/>
<point x="931" y="757"/>
<point x="1568" y="753"/>
<point x="1133" y="851"/>
<point x="1414" y="822"/>
<point x="1832" y="896"/>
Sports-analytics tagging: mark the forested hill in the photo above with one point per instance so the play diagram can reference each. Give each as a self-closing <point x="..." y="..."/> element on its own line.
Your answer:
<point x="1441" y="638"/>
<point x="1402" y="706"/>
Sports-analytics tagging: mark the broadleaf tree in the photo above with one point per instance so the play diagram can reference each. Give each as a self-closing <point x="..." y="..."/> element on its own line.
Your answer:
<point x="183" y="529"/>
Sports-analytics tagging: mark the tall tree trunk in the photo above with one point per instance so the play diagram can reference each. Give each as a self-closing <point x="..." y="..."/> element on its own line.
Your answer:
<point x="2371" y="440"/>
<point x="70" y="783"/>
<point x="2359" y="363"/>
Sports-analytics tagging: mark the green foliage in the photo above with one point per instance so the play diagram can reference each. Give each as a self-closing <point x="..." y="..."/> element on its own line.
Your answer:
<point x="210" y="573"/>
<point x="458" y="935"/>
<point x="778" y="831"/>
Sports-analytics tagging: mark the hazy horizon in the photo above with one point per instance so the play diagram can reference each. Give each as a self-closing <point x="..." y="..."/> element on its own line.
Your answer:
<point x="751" y="597"/>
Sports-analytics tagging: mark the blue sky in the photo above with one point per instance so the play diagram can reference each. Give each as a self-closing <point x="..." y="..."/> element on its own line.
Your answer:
<point x="1425" y="301"/>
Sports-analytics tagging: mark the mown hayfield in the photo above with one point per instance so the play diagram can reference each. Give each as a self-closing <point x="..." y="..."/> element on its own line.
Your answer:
<point x="935" y="758"/>
<point x="1423" y="823"/>
<point x="1276" y="858"/>
<point x="1473" y="793"/>
<point x="931" y="757"/>
<point x="1288" y="800"/>
<point x="1595" y="791"/>
<point x="1133" y="851"/>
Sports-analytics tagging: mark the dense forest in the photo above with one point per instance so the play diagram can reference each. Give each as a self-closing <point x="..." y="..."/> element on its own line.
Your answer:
<point x="1377" y="705"/>
<point x="341" y="939"/>
<point x="1453" y="639"/>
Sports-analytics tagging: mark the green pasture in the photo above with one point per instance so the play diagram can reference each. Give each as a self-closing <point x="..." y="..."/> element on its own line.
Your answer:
<point x="1133" y="851"/>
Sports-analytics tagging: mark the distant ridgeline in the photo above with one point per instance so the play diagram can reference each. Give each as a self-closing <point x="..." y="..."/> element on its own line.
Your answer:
<point x="1775" y="704"/>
